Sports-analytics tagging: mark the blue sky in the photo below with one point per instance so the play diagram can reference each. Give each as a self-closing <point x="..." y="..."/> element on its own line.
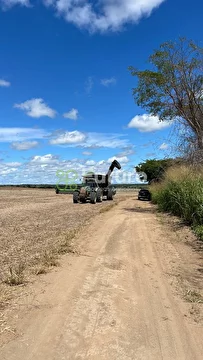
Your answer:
<point x="65" y="89"/>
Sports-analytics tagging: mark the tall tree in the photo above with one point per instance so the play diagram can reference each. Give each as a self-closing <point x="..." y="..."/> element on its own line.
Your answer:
<point x="154" y="168"/>
<point x="173" y="88"/>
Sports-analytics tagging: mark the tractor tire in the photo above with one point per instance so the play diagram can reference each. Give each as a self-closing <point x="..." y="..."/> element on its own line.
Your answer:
<point x="110" y="194"/>
<point x="99" y="195"/>
<point x="57" y="191"/>
<point x="93" y="197"/>
<point x="75" y="197"/>
<point x="83" y="199"/>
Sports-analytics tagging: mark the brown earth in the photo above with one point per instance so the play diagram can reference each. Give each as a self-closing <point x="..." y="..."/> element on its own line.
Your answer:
<point x="33" y="221"/>
<point x="133" y="291"/>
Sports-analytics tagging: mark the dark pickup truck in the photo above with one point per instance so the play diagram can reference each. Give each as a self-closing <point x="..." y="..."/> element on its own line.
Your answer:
<point x="144" y="194"/>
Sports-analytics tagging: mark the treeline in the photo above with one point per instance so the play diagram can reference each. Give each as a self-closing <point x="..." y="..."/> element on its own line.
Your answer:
<point x="70" y="187"/>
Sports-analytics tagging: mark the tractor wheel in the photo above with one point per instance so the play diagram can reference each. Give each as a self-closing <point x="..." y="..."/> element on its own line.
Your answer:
<point x="99" y="195"/>
<point x="57" y="190"/>
<point x="83" y="199"/>
<point x="75" y="197"/>
<point x="93" y="197"/>
<point x="110" y="194"/>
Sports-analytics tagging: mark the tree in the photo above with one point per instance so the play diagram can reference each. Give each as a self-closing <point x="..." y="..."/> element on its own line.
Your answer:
<point x="155" y="169"/>
<point x="173" y="89"/>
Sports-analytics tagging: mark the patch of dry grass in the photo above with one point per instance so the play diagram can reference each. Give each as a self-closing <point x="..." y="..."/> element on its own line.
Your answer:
<point x="193" y="297"/>
<point x="15" y="275"/>
<point x="67" y="245"/>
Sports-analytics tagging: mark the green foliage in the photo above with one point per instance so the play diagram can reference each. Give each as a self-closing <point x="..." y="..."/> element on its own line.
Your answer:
<point x="198" y="230"/>
<point x="172" y="88"/>
<point x="154" y="169"/>
<point x="181" y="194"/>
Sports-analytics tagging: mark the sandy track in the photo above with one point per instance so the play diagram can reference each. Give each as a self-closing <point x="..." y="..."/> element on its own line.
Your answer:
<point x="114" y="301"/>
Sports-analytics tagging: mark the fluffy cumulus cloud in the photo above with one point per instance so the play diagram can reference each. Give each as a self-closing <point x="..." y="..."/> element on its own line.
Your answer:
<point x="36" y="108"/>
<point x="4" y="83"/>
<point x="98" y="15"/>
<point x="72" y="114"/>
<point x="68" y="138"/>
<point x="107" y="82"/>
<point x="51" y="169"/>
<point x="120" y="159"/>
<point x="24" y="145"/>
<point x="88" y="140"/>
<point x="45" y="159"/>
<point x="147" y="123"/>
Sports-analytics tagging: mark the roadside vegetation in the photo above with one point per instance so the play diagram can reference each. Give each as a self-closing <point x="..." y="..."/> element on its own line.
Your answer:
<point x="181" y="194"/>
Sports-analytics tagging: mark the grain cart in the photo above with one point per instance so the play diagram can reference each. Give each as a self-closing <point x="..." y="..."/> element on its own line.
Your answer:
<point x="95" y="187"/>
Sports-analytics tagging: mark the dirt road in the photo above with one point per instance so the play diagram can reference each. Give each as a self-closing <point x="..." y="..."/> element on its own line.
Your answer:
<point x="114" y="301"/>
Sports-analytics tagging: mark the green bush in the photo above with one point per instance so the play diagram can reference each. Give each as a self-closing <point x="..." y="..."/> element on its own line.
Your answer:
<point x="181" y="193"/>
<point x="198" y="230"/>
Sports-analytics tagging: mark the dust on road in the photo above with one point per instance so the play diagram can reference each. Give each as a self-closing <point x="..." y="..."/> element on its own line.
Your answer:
<point x="115" y="300"/>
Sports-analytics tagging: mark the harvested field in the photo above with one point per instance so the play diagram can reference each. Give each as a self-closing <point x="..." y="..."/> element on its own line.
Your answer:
<point x="133" y="291"/>
<point x="35" y="225"/>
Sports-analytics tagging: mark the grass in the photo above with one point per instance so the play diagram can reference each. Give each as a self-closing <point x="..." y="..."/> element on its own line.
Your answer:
<point x="193" y="297"/>
<point x="49" y="259"/>
<point x="181" y="194"/>
<point x="66" y="245"/>
<point x="198" y="230"/>
<point x="16" y="275"/>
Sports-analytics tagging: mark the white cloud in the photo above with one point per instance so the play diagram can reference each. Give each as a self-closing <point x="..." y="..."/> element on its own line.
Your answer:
<point x="68" y="138"/>
<point x="103" y="15"/>
<point x="97" y="140"/>
<point x="44" y="169"/>
<point x="148" y="123"/>
<point x="26" y="145"/>
<point x="87" y="153"/>
<point x="163" y="146"/>
<point x="72" y="114"/>
<point x="20" y="134"/>
<point x="121" y="159"/>
<point x="107" y="82"/>
<point x="13" y="164"/>
<point x="4" y="83"/>
<point x="100" y="15"/>
<point x="88" y="140"/>
<point x="36" y="108"/>
<point x="90" y="162"/>
<point x="101" y="162"/>
<point x="45" y="159"/>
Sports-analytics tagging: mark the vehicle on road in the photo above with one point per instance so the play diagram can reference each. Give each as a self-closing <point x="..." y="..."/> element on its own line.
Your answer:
<point x="95" y="187"/>
<point x="144" y="194"/>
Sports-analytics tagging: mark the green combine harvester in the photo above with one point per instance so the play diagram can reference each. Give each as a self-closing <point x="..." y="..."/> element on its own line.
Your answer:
<point x="95" y="187"/>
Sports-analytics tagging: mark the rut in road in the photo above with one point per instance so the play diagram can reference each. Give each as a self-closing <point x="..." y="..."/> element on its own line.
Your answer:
<point x="115" y="302"/>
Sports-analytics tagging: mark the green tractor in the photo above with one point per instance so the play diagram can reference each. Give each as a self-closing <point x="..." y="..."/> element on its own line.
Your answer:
<point x="95" y="187"/>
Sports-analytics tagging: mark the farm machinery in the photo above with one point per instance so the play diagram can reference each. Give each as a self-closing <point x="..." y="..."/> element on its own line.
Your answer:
<point x="95" y="187"/>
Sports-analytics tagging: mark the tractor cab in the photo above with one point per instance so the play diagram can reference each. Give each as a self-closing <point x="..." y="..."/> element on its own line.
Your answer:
<point x="89" y="181"/>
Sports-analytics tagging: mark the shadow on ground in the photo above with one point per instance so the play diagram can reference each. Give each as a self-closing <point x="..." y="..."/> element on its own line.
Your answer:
<point x="138" y="209"/>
